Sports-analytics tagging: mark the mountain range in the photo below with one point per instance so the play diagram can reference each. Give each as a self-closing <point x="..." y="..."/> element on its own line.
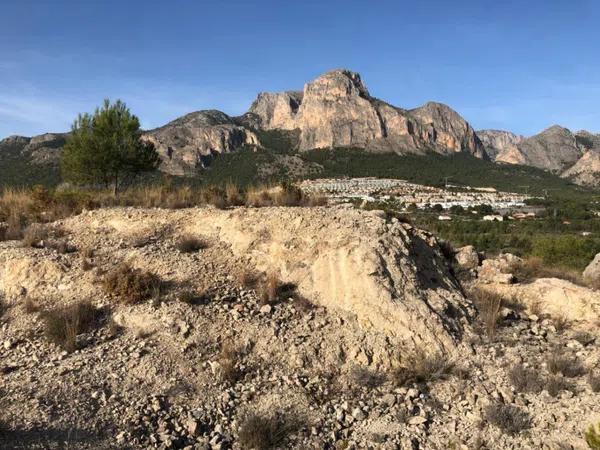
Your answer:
<point x="336" y="110"/>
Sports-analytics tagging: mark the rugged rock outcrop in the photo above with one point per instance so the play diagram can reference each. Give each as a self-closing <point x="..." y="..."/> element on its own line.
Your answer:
<point x="336" y="110"/>
<point x="500" y="145"/>
<point x="44" y="148"/>
<point x="554" y="149"/>
<point x="193" y="140"/>
<point x="586" y="171"/>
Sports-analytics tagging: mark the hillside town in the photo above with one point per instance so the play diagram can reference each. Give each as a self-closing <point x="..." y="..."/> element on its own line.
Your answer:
<point x="422" y="197"/>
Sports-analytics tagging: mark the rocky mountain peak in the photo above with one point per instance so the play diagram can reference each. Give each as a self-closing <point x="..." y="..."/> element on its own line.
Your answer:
<point x="337" y="84"/>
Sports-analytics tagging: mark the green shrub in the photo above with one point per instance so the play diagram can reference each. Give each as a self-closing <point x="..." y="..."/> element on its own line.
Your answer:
<point x="592" y="437"/>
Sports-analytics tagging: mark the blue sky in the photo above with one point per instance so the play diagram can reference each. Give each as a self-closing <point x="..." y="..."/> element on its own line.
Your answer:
<point x="517" y="65"/>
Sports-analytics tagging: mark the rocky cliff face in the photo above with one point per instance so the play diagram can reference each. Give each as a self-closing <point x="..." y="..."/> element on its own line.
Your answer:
<point x="586" y="171"/>
<point x="554" y="149"/>
<point x="193" y="140"/>
<point x="44" y="148"/>
<point x="500" y="145"/>
<point x="336" y="110"/>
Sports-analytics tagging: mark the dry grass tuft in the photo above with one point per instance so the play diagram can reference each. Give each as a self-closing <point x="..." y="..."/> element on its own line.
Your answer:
<point x="488" y="305"/>
<point x="561" y="323"/>
<point x="525" y="379"/>
<point x="265" y="432"/>
<point x="190" y="244"/>
<point x="193" y="297"/>
<point x="423" y="369"/>
<point x="364" y="377"/>
<point x="594" y="380"/>
<point x="508" y="418"/>
<point x="269" y="289"/>
<point x="131" y="285"/>
<point x="567" y="365"/>
<point x="555" y="384"/>
<point x="532" y="268"/>
<point x="31" y="305"/>
<point x="248" y="278"/>
<point x="35" y="235"/>
<point x="62" y="325"/>
<point x="229" y="372"/>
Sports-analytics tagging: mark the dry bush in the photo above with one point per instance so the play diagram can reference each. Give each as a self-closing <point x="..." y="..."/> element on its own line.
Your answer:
<point x="423" y="368"/>
<point x="189" y="244"/>
<point x="270" y="289"/>
<point x="364" y="377"/>
<point x="525" y="379"/>
<point x="508" y="418"/>
<point x="62" y="325"/>
<point x="193" y="297"/>
<point x="567" y="365"/>
<point x="584" y="337"/>
<point x="31" y="305"/>
<point x="264" y="432"/>
<point x="228" y="361"/>
<point x="233" y="195"/>
<point x="248" y="278"/>
<point x="35" y="235"/>
<point x="259" y="197"/>
<point x="87" y="265"/>
<point x="488" y="305"/>
<point x="555" y="384"/>
<point x="215" y="196"/>
<point x="532" y="268"/>
<point x="131" y="285"/>
<point x="594" y="380"/>
<point x="561" y="323"/>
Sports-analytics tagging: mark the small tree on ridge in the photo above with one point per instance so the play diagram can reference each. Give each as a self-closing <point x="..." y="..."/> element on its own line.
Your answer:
<point x="107" y="149"/>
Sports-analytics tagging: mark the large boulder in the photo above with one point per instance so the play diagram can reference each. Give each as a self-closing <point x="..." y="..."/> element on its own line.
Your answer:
<point x="591" y="274"/>
<point x="467" y="257"/>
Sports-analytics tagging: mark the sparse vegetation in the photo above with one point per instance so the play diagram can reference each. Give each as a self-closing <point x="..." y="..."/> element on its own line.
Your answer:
<point x="270" y="288"/>
<point x="555" y="384"/>
<point x="31" y="305"/>
<point x="592" y="437"/>
<point x="263" y="432"/>
<point x="526" y="379"/>
<point x="567" y="365"/>
<point x="594" y="380"/>
<point x="508" y="418"/>
<point x="63" y="325"/>
<point x="191" y="297"/>
<point x="488" y="305"/>
<point x="423" y="369"/>
<point x="363" y="377"/>
<point x="190" y="244"/>
<point x="131" y="285"/>
<point x="533" y="267"/>
<point x="228" y="359"/>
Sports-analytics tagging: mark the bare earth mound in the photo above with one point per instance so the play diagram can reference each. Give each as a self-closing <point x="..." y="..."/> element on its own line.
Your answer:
<point x="266" y="328"/>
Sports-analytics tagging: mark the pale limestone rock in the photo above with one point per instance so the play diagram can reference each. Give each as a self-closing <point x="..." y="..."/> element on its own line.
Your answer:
<point x="336" y="110"/>
<point x="499" y="144"/>
<point x="467" y="257"/>
<point x="586" y="171"/>
<point x="591" y="274"/>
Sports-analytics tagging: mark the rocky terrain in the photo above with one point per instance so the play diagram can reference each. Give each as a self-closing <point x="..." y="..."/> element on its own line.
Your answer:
<point x="556" y="149"/>
<point x="501" y="146"/>
<point x="325" y="328"/>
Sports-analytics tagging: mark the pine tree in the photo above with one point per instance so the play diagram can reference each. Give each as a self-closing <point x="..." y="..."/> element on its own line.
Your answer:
<point x="107" y="149"/>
